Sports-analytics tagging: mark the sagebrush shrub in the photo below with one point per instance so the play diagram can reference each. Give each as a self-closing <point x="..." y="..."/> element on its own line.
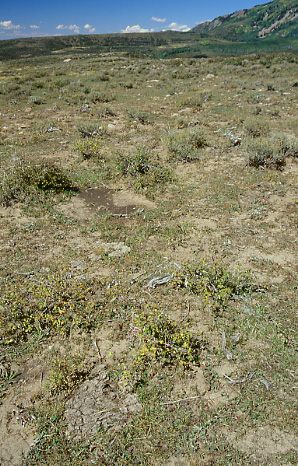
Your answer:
<point x="266" y="152"/>
<point x="184" y="146"/>
<point x="29" y="178"/>
<point x="144" y="167"/>
<point x="255" y="127"/>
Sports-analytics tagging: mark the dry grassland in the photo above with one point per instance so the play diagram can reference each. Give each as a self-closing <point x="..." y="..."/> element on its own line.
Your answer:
<point x="148" y="305"/>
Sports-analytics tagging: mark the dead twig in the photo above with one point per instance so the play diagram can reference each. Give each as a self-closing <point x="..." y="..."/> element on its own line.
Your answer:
<point x="186" y="314"/>
<point x="159" y="280"/>
<point x="98" y="350"/>
<point x="242" y="380"/>
<point x="227" y="353"/>
<point x="181" y="400"/>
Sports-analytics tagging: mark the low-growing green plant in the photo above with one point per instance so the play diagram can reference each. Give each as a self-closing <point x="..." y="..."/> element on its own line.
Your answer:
<point x="106" y="112"/>
<point x="184" y="145"/>
<point x="7" y="378"/>
<point x="54" y="303"/>
<point x="140" y="115"/>
<point x="213" y="281"/>
<point x="67" y="371"/>
<point x="163" y="341"/>
<point x="266" y="152"/>
<point x="197" y="100"/>
<point x="96" y="96"/>
<point x="144" y="167"/>
<point x="89" y="147"/>
<point x="26" y="179"/>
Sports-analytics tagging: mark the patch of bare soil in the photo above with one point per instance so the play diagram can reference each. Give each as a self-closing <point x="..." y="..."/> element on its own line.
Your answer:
<point x="17" y="424"/>
<point x="95" y="404"/>
<point x="101" y="200"/>
<point x="76" y="208"/>
<point x="264" y="441"/>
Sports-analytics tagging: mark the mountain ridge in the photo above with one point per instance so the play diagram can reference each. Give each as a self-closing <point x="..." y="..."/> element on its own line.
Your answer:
<point x="274" y="19"/>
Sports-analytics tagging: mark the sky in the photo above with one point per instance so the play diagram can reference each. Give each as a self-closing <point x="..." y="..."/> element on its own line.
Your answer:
<point x="37" y="18"/>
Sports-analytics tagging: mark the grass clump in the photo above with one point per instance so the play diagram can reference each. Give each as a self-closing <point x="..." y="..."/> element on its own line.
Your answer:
<point x="35" y="100"/>
<point x="140" y="115"/>
<point x="89" y="147"/>
<point x="27" y="179"/>
<point x="55" y="303"/>
<point x="106" y="112"/>
<point x="266" y="152"/>
<point x="102" y="97"/>
<point x="213" y="281"/>
<point x="90" y="129"/>
<point x="197" y="100"/>
<point x="184" y="146"/>
<point x="144" y="168"/>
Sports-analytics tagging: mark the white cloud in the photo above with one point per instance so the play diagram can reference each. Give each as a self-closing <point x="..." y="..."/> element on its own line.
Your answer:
<point x="158" y="20"/>
<point x="72" y="27"/>
<point x="9" y="25"/>
<point x="89" y="28"/>
<point x="178" y="27"/>
<point x="34" y="27"/>
<point x="136" y="28"/>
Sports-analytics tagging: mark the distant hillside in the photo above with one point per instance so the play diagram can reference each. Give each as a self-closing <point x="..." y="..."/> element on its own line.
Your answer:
<point x="271" y="27"/>
<point x="95" y="43"/>
<point x="276" y="19"/>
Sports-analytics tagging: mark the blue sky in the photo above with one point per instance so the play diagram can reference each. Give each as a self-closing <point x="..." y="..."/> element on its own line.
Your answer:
<point x="33" y="18"/>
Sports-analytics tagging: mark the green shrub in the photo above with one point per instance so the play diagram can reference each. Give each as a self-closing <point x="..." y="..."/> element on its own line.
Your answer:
<point x="254" y="127"/>
<point x="184" y="146"/>
<point x="266" y="152"/>
<point x="27" y="179"/>
<point x="60" y="82"/>
<point x="214" y="281"/>
<point x="66" y="372"/>
<point x="197" y="100"/>
<point x="162" y="340"/>
<point x="127" y="85"/>
<point x="289" y="144"/>
<point x="104" y="77"/>
<point x="35" y="100"/>
<point x="144" y="168"/>
<point x="96" y="96"/>
<point x="106" y="112"/>
<point x="54" y="303"/>
<point x="140" y="115"/>
<point x="89" y="147"/>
